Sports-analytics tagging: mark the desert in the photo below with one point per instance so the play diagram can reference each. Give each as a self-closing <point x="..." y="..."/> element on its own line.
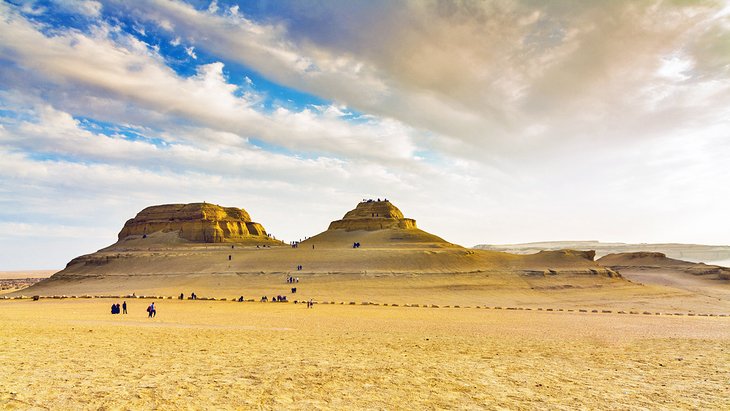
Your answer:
<point x="229" y="355"/>
<point x="403" y="320"/>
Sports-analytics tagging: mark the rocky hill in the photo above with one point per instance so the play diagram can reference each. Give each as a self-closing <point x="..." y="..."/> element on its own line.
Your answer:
<point x="376" y="223"/>
<point x="208" y="247"/>
<point x="196" y="222"/>
<point x="373" y="215"/>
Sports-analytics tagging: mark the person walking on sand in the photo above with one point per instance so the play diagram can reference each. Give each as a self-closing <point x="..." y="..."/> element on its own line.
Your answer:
<point x="154" y="310"/>
<point x="124" y="307"/>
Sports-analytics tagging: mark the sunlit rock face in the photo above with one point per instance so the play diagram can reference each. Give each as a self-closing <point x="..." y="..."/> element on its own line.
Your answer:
<point x="196" y="222"/>
<point x="373" y="215"/>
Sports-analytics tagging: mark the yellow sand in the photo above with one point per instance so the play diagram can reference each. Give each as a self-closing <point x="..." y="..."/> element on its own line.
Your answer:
<point x="70" y="354"/>
<point x="26" y="274"/>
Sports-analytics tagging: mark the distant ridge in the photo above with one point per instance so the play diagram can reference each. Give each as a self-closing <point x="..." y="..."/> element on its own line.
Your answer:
<point x="657" y="261"/>
<point x="690" y="252"/>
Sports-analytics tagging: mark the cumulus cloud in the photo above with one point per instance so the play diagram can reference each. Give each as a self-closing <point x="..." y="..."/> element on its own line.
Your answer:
<point x="483" y="75"/>
<point x="124" y="68"/>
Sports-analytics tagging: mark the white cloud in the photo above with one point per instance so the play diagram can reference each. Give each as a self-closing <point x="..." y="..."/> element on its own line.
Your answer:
<point x="478" y="74"/>
<point x="126" y="69"/>
<point x="88" y="8"/>
<point x="213" y="7"/>
<point x="190" y="51"/>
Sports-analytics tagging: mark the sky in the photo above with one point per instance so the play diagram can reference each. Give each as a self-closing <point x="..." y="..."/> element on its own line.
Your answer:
<point x="486" y="121"/>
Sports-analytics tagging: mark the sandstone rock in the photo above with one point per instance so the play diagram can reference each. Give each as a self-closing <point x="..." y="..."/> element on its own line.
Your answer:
<point x="196" y="222"/>
<point x="373" y="215"/>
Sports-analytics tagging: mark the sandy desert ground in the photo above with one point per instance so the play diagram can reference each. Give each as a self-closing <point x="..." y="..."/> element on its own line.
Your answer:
<point x="11" y="275"/>
<point x="70" y="354"/>
<point x="12" y="281"/>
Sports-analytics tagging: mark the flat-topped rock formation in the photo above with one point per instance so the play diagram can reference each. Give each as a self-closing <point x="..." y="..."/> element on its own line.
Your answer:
<point x="195" y="222"/>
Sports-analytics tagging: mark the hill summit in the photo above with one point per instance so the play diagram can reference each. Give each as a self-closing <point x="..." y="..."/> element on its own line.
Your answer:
<point x="373" y="215"/>
<point x="376" y="223"/>
<point x="195" y="222"/>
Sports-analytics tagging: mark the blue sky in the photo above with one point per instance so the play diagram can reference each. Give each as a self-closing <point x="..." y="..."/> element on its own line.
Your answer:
<point x="486" y="121"/>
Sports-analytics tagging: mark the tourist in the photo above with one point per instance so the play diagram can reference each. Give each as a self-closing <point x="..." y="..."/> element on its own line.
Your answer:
<point x="151" y="311"/>
<point x="124" y="307"/>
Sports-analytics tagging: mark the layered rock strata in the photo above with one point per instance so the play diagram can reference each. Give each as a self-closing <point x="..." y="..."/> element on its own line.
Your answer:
<point x="196" y="222"/>
<point x="373" y="215"/>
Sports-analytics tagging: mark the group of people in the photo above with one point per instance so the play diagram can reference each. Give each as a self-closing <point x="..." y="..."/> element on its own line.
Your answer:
<point x="277" y="299"/>
<point x="151" y="311"/>
<point x="355" y="245"/>
<point x="300" y="267"/>
<point x="310" y="303"/>
<point x="291" y="279"/>
<point x="116" y="309"/>
<point x="122" y="309"/>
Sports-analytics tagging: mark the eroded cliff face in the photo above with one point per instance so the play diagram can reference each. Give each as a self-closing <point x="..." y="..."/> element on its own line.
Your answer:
<point x="373" y="215"/>
<point x="197" y="222"/>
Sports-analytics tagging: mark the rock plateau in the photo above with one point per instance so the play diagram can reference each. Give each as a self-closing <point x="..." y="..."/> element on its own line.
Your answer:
<point x="196" y="222"/>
